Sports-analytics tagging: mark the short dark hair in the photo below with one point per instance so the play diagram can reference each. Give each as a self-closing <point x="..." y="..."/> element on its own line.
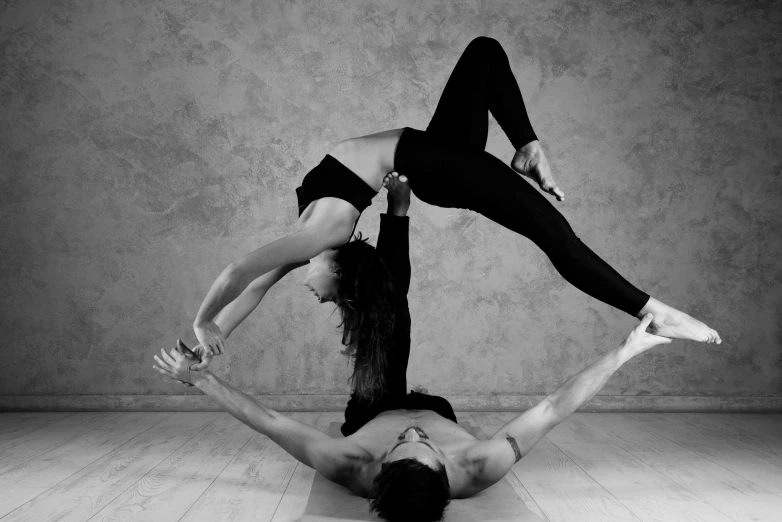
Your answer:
<point x="408" y="490"/>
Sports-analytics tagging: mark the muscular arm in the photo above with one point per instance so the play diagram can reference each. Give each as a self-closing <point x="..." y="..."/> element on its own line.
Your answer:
<point x="514" y="440"/>
<point x="335" y="459"/>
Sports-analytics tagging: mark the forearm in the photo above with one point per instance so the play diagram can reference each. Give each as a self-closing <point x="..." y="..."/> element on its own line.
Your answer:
<point x="583" y="386"/>
<point x="292" y="250"/>
<point x="235" y="402"/>
<point x="237" y="310"/>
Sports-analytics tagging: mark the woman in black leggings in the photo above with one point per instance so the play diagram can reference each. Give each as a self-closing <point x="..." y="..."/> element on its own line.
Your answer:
<point x="448" y="167"/>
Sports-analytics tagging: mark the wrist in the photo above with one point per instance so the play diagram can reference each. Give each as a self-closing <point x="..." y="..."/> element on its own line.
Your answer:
<point x="625" y="352"/>
<point x="199" y="323"/>
<point x="201" y="378"/>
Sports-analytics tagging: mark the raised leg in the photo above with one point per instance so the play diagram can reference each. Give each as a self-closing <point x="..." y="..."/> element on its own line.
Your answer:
<point x="482" y="82"/>
<point x="393" y="247"/>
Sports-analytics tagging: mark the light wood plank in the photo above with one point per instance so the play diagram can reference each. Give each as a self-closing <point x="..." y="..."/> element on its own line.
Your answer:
<point x="730" y="454"/>
<point x="646" y="492"/>
<point x="18" y="424"/>
<point x="759" y="432"/>
<point x="511" y="477"/>
<point x="52" y="435"/>
<point x="251" y="486"/>
<point x="738" y="498"/>
<point x="168" y="490"/>
<point x="294" y="499"/>
<point x="35" y="476"/>
<point x="562" y="489"/>
<point x="85" y="493"/>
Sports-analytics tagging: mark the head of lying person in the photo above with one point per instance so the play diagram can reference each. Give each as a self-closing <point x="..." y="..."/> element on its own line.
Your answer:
<point x="355" y="278"/>
<point x="412" y="484"/>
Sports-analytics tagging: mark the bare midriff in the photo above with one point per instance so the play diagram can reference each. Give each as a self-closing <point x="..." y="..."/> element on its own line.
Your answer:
<point x="370" y="157"/>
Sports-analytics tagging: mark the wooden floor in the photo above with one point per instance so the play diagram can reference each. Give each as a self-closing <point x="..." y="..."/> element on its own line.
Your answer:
<point x="210" y="467"/>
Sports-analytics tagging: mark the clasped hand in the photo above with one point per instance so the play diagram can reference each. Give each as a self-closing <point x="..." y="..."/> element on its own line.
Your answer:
<point x="210" y="337"/>
<point x="180" y="365"/>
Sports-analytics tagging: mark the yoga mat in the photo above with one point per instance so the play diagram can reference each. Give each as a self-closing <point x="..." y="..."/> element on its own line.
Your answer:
<point x="331" y="502"/>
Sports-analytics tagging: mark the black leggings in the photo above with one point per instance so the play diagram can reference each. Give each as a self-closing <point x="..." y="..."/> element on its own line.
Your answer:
<point x="448" y="167"/>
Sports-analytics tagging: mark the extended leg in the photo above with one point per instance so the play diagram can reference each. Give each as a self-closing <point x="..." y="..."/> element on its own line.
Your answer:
<point x="463" y="178"/>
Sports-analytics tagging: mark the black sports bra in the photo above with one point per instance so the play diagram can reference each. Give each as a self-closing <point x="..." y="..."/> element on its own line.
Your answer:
<point x="332" y="179"/>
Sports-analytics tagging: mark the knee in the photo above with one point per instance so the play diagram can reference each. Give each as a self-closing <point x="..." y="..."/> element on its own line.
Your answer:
<point x="486" y="46"/>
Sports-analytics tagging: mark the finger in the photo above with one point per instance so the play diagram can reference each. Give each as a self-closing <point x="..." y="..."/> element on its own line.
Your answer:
<point x="184" y="350"/>
<point x="176" y="354"/>
<point x="198" y="366"/>
<point x="222" y="347"/>
<point x="161" y="370"/>
<point x="162" y="363"/>
<point x="645" y="321"/>
<point x="167" y="358"/>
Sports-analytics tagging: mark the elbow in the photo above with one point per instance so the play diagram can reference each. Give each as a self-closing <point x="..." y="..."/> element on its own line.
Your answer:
<point x="552" y="413"/>
<point x="234" y="276"/>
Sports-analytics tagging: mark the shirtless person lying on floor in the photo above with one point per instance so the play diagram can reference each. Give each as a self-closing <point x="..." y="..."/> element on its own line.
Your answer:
<point x="405" y="452"/>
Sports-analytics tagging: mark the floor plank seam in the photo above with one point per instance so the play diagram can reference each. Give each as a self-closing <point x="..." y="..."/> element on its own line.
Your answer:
<point x="593" y="479"/>
<point x="707" y="457"/>
<point x="216" y="476"/>
<point x="83" y="467"/>
<point x="150" y="470"/>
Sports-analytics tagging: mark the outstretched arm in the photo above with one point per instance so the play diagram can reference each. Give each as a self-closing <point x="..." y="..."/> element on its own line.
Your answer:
<point x="333" y="458"/>
<point x="496" y="456"/>
<point x="237" y="310"/>
<point x="329" y="225"/>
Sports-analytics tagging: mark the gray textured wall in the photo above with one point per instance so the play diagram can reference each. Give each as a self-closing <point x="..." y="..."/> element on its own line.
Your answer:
<point x="145" y="145"/>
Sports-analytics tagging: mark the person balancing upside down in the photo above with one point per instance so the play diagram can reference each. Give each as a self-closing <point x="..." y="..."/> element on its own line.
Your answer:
<point x="405" y="452"/>
<point x="447" y="166"/>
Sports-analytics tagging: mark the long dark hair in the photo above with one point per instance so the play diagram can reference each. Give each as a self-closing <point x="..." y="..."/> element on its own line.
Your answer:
<point x="366" y="302"/>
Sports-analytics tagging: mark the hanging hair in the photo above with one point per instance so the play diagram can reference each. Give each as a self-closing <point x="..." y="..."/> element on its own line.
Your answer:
<point x="366" y="302"/>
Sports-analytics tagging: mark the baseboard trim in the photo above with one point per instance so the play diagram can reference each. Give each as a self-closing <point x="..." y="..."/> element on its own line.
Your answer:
<point x="601" y="403"/>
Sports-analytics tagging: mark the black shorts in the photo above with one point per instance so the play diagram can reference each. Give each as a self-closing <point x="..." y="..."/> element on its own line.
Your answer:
<point x="358" y="414"/>
<point x="332" y="179"/>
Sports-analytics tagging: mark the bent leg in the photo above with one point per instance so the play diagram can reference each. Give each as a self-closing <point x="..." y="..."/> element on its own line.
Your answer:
<point x="481" y="82"/>
<point x="450" y="177"/>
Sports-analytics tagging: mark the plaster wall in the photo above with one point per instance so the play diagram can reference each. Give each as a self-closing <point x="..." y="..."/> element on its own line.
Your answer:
<point x="145" y="145"/>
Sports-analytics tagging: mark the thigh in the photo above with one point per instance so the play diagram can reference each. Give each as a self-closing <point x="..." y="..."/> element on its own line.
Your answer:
<point x="462" y="115"/>
<point x="453" y="177"/>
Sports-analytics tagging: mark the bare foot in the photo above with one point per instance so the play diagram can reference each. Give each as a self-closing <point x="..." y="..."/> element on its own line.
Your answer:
<point x="670" y="322"/>
<point x="531" y="161"/>
<point x="398" y="193"/>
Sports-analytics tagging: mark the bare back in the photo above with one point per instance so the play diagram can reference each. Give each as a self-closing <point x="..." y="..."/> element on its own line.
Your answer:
<point x="370" y="157"/>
